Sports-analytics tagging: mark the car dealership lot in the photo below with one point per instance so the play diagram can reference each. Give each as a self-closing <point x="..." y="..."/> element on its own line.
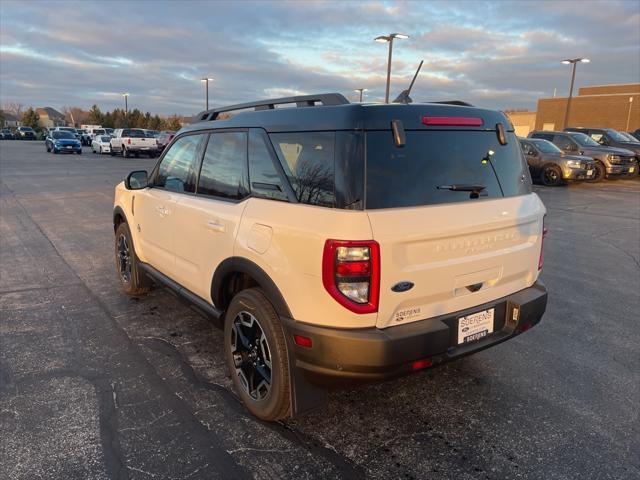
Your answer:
<point x="94" y="384"/>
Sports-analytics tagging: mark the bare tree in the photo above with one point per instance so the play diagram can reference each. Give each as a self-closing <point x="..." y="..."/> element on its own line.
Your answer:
<point x="15" y="108"/>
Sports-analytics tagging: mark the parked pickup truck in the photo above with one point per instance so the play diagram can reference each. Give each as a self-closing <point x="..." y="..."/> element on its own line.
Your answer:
<point x="132" y="141"/>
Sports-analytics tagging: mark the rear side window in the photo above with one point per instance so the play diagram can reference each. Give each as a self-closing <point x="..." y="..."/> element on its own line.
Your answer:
<point x="178" y="169"/>
<point x="263" y="175"/>
<point x="308" y="161"/>
<point x="224" y="166"/>
<point x="410" y="176"/>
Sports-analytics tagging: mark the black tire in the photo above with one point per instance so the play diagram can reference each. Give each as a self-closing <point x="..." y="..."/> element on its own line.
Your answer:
<point x="125" y="152"/>
<point x="100" y="151"/>
<point x="79" y="153"/>
<point x="551" y="176"/>
<point x="254" y="358"/>
<point x="48" y="150"/>
<point x="599" y="174"/>
<point x="127" y="262"/>
<point x="111" y="152"/>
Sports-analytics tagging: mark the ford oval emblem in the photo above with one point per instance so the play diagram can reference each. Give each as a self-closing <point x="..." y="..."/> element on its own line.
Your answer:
<point x="402" y="286"/>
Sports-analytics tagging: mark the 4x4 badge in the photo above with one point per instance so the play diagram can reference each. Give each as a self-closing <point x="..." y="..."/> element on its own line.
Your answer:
<point x="402" y="286"/>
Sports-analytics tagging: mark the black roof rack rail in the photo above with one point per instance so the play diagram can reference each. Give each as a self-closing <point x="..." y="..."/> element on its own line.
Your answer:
<point x="326" y="99"/>
<point x="455" y="102"/>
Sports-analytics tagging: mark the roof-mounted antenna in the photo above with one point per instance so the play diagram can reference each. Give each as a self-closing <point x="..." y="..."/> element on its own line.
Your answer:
<point x="404" y="95"/>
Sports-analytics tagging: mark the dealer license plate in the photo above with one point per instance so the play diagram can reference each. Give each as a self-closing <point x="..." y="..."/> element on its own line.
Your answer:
<point x="69" y="146"/>
<point x="632" y="169"/>
<point x="475" y="326"/>
<point x="589" y="173"/>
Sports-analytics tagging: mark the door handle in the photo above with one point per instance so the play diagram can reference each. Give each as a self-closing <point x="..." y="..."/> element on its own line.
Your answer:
<point x="215" y="226"/>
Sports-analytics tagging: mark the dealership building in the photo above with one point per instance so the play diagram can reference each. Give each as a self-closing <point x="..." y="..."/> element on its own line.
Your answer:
<point x="599" y="106"/>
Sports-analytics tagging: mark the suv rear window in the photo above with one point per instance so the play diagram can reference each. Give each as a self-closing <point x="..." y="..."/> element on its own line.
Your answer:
<point x="409" y="176"/>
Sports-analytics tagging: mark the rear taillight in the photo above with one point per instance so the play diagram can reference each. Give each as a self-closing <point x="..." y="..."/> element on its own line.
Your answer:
<point x="351" y="273"/>
<point x="129" y="141"/>
<point x="544" y="234"/>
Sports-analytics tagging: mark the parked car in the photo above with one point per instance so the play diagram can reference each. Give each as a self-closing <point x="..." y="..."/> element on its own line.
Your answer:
<point x="267" y="222"/>
<point x="7" y="134"/>
<point x="610" y="138"/>
<point x="151" y="133"/>
<point x="109" y="131"/>
<point x="636" y="134"/>
<point x="71" y="130"/>
<point x="610" y="162"/>
<point x="96" y="132"/>
<point x="551" y="166"/>
<point x="25" y="133"/>
<point x="132" y="141"/>
<point x="85" y="137"/>
<point x="164" y="139"/>
<point x="101" y="144"/>
<point x="62" y="141"/>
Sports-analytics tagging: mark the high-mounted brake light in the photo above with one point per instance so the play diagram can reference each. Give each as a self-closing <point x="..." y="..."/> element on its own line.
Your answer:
<point x="544" y="234"/>
<point x="453" y="121"/>
<point x="351" y="273"/>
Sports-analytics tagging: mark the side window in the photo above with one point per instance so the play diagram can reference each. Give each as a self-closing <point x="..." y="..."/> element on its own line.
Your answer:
<point x="562" y="142"/>
<point x="177" y="171"/>
<point x="224" y="166"/>
<point x="264" y="178"/>
<point x="308" y="160"/>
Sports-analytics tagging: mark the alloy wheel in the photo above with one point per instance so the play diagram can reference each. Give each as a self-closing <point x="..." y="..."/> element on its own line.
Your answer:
<point x="251" y="355"/>
<point x="124" y="259"/>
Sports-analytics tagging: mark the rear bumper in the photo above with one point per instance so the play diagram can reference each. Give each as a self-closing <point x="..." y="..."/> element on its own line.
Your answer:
<point x="373" y="354"/>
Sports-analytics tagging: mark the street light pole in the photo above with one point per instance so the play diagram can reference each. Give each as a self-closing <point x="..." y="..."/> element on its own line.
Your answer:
<point x="206" y="81"/>
<point x="389" y="38"/>
<point x="629" y="114"/>
<point x="570" y="61"/>
<point x="360" y="90"/>
<point x="126" y="108"/>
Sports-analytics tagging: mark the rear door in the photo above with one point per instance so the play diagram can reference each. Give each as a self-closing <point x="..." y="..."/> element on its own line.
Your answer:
<point x="457" y="251"/>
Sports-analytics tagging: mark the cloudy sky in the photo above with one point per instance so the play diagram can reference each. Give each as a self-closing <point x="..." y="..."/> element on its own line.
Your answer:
<point x="494" y="54"/>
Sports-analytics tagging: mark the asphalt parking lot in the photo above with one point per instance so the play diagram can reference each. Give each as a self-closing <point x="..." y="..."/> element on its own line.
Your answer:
<point x="94" y="384"/>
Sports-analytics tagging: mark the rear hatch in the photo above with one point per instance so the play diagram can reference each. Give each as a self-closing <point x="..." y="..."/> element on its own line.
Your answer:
<point x="458" y="251"/>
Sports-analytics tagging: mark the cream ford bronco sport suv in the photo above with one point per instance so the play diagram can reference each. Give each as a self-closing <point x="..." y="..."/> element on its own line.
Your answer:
<point x="338" y="242"/>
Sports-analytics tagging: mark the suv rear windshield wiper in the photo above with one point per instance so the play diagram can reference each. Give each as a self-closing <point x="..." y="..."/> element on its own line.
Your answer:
<point x="475" y="190"/>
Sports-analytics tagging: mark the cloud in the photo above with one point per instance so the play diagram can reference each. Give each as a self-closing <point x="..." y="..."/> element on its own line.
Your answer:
<point x="501" y="55"/>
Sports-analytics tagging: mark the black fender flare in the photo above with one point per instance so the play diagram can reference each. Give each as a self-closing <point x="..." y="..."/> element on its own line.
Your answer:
<point x="243" y="265"/>
<point x="117" y="211"/>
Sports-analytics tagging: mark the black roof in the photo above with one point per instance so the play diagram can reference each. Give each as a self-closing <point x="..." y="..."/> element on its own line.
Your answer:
<point x="310" y="114"/>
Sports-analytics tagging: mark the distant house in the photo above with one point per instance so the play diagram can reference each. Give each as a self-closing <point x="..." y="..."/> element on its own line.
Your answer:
<point x="10" y="120"/>
<point x="50" y="117"/>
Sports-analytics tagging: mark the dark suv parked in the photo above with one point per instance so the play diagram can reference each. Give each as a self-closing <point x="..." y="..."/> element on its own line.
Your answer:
<point x="551" y="166"/>
<point x="610" y="138"/>
<point x="610" y="161"/>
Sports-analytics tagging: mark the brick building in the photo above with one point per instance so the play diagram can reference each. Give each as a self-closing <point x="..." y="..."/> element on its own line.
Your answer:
<point x="602" y="106"/>
<point x="523" y="121"/>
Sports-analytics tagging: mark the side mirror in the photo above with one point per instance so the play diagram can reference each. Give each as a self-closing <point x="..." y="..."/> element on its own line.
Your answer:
<point x="137" y="180"/>
<point x="571" y="148"/>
